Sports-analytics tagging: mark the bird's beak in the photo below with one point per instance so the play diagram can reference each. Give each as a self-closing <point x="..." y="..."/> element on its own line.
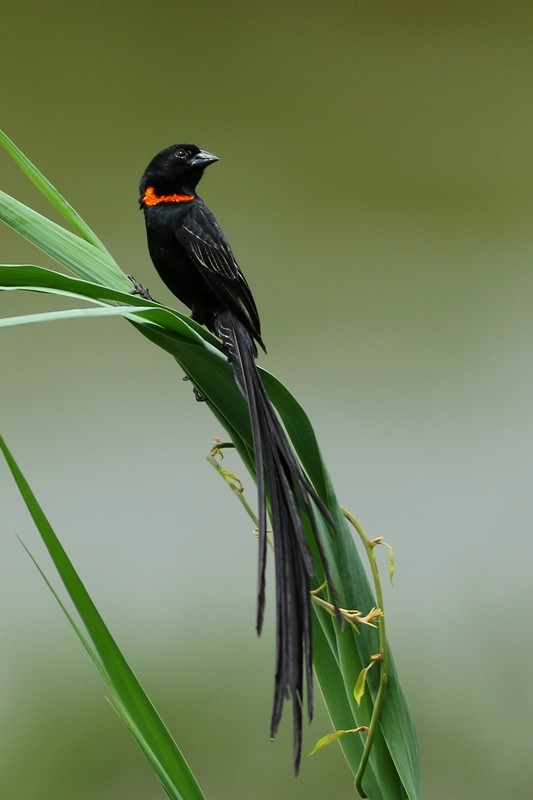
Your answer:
<point x="203" y="159"/>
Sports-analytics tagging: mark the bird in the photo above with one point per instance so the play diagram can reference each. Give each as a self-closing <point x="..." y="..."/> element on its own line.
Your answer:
<point x="195" y="261"/>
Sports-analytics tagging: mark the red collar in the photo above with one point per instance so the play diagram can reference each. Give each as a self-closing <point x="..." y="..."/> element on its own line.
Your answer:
<point x="150" y="198"/>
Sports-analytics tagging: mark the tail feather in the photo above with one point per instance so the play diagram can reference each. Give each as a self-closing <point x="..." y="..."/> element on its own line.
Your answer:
<point x="279" y="471"/>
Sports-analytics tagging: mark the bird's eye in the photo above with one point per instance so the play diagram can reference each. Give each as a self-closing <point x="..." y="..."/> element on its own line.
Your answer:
<point x="180" y="153"/>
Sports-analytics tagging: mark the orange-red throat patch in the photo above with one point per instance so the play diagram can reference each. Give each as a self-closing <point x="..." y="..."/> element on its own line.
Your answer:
<point x="150" y="198"/>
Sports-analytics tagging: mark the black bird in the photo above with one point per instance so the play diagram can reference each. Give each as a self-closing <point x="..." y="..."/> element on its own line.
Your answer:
<point x="194" y="259"/>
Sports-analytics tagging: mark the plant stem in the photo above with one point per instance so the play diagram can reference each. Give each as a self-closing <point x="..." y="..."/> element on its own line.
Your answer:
<point x="383" y="675"/>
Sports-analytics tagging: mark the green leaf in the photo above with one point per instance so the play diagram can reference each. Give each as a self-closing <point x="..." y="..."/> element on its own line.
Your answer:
<point x="127" y="694"/>
<point x="329" y="738"/>
<point x="72" y="313"/>
<point x="71" y="251"/>
<point x="359" y="689"/>
<point x="15" y="277"/>
<point x="51" y="193"/>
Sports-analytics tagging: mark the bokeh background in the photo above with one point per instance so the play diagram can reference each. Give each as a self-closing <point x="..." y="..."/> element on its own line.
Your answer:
<point x="376" y="183"/>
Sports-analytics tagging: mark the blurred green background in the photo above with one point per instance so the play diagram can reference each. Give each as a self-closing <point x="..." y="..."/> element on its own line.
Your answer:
<point x="376" y="183"/>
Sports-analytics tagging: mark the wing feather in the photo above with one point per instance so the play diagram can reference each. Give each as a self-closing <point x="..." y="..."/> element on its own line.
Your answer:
<point x="207" y="247"/>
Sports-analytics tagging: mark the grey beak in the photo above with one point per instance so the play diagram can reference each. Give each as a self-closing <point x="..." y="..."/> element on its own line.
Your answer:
<point x="203" y="159"/>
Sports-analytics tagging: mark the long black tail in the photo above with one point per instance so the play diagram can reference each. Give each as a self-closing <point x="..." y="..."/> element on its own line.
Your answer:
<point x="280" y="473"/>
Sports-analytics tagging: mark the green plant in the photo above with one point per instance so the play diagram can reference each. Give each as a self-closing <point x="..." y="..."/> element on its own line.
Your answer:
<point x="369" y="713"/>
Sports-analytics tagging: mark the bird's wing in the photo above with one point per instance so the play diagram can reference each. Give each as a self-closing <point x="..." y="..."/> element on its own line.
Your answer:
<point x="202" y="238"/>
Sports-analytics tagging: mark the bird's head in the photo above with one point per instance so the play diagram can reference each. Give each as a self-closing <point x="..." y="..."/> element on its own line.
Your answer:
<point x="176" y="169"/>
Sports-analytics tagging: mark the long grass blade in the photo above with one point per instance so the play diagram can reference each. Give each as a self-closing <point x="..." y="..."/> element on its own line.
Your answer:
<point x="51" y="193"/>
<point x="71" y="251"/>
<point x="129" y="697"/>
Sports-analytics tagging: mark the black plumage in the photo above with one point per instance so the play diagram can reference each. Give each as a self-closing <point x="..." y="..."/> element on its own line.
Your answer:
<point x="194" y="259"/>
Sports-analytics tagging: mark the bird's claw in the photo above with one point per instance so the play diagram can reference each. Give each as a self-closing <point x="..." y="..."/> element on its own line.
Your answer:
<point x="200" y="398"/>
<point x="139" y="289"/>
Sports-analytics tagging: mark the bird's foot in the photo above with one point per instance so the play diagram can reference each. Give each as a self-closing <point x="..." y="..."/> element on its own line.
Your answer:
<point x="139" y="289"/>
<point x="200" y="398"/>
